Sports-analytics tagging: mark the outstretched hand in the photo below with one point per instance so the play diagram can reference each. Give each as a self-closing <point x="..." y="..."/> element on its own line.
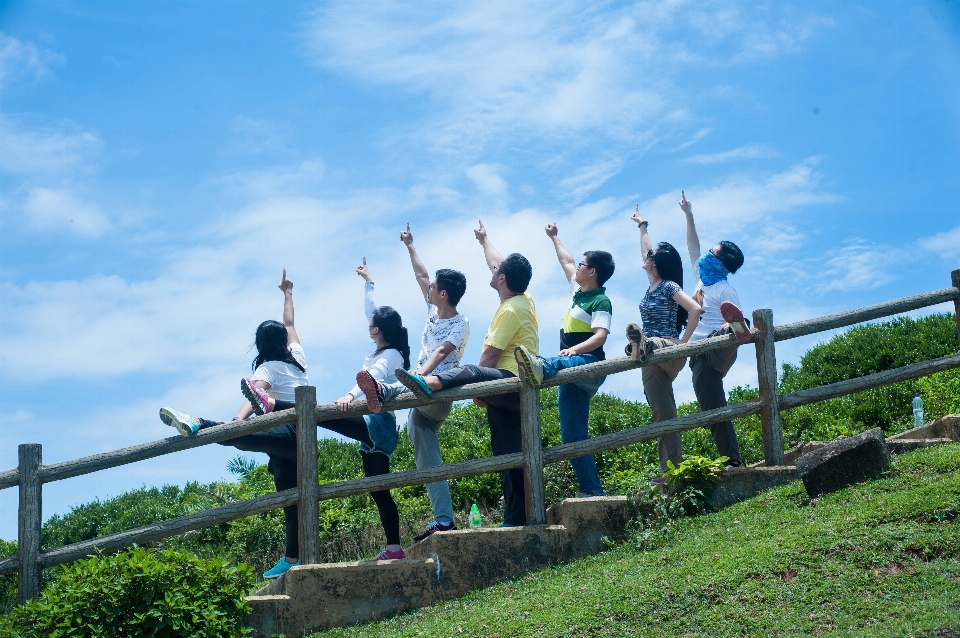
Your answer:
<point x="551" y="229"/>
<point x="480" y="233"/>
<point x="406" y="236"/>
<point x="637" y="217"/>
<point x="363" y="271"/>
<point x="285" y="284"/>
<point x="685" y="205"/>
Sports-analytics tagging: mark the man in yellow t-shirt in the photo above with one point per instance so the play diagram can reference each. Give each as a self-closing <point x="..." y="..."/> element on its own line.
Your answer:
<point x="515" y="323"/>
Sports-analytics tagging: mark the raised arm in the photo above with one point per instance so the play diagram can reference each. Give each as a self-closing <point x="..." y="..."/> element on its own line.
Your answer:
<point x="369" y="302"/>
<point x="693" y="240"/>
<point x="567" y="262"/>
<point x="646" y="245"/>
<point x="419" y="270"/>
<point x="490" y="253"/>
<point x="287" y="287"/>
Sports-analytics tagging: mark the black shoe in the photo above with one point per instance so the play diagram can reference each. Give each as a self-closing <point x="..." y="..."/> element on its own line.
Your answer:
<point x="432" y="527"/>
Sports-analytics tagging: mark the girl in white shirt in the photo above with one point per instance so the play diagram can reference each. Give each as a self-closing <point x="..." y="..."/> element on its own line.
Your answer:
<point x="279" y="367"/>
<point x="377" y="433"/>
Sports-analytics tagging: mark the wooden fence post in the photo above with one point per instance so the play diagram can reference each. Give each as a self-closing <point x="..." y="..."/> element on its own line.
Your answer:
<point x="771" y="426"/>
<point x="955" y="280"/>
<point x="308" y="508"/>
<point x="29" y="523"/>
<point x="533" y="482"/>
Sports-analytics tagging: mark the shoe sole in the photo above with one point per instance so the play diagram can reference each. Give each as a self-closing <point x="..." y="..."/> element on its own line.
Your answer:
<point x="734" y="318"/>
<point x="636" y="353"/>
<point x="407" y="380"/>
<point x="370" y="390"/>
<point x="526" y="364"/>
<point x="252" y="397"/>
<point x="168" y="417"/>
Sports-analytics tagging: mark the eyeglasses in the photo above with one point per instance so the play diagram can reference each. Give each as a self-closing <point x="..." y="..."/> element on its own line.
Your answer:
<point x="584" y="264"/>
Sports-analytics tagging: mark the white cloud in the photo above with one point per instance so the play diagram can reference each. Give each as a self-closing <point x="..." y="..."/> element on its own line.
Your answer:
<point x="275" y="181"/>
<point x="699" y="135"/>
<point x="858" y="266"/>
<point x="753" y="151"/>
<point x="945" y="244"/>
<point x="587" y="179"/>
<point x="487" y="179"/>
<point x="19" y="59"/>
<point x="61" y="211"/>
<point x="47" y="150"/>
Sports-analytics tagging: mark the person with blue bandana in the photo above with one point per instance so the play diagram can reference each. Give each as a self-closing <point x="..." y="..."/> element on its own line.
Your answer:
<point x="721" y="314"/>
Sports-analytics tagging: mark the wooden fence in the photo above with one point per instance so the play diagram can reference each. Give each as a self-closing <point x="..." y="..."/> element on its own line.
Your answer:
<point x="31" y="474"/>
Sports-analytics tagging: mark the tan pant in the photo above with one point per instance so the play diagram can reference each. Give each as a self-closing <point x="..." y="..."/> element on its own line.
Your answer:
<point x="658" y="388"/>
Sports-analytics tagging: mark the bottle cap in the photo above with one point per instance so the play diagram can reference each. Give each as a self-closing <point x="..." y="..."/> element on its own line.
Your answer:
<point x="916" y="394"/>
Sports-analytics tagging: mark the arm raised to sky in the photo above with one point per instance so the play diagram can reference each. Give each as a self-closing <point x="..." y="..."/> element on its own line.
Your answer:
<point x="693" y="240"/>
<point x="490" y="253"/>
<point x="567" y="262"/>
<point x="419" y="270"/>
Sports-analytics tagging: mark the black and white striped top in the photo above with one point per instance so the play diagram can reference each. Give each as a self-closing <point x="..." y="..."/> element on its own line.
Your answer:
<point x="659" y="311"/>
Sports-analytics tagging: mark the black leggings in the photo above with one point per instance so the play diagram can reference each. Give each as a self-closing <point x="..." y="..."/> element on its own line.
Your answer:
<point x="374" y="464"/>
<point x="280" y="445"/>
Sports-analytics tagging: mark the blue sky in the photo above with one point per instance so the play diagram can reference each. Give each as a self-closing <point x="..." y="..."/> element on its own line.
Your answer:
<point x="160" y="163"/>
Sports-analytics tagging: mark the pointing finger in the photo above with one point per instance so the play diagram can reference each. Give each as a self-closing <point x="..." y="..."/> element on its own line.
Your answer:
<point x="284" y="274"/>
<point x="364" y="260"/>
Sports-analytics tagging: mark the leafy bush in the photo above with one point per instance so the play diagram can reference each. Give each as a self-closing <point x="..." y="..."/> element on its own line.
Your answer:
<point x="860" y="351"/>
<point x="139" y="592"/>
<point x="940" y="393"/>
<point x="8" y="582"/>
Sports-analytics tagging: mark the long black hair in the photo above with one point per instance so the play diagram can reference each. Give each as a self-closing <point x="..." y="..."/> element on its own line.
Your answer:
<point x="670" y="266"/>
<point x="391" y="327"/>
<point x="271" y="344"/>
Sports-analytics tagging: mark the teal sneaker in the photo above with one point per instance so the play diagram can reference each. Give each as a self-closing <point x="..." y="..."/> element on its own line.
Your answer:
<point x="185" y="424"/>
<point x="281" y="568"/>
<point x="415" y="383"/>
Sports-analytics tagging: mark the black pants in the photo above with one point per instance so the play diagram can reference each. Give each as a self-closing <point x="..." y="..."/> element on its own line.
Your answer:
<point x="374" y="464"/>
<point x="503" y="419"/>
<point x="280" y="445"/>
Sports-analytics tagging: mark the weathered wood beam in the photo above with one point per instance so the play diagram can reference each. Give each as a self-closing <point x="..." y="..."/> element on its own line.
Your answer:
<point x="866" y="313"/>
<point x="868" y="382"/>
<point x="307" y="507"/>
<point x="533" y="481"/>
<point x="770" y="424"/>
<point x="29" y="522"/>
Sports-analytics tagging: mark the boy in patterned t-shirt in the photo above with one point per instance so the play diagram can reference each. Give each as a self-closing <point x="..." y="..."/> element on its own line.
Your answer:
<point x="586" y="324"/>
<point x="444" y="339"/>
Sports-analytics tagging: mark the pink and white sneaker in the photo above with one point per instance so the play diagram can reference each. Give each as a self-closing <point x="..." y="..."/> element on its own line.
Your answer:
<point x="734" y="318"/>
<point x="386" y="554"/>
<point x="257" y="397"/>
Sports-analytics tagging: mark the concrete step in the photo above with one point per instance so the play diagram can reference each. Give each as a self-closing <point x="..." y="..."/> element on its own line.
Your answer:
<point x="312" y="597"/>
<point x="899" y="446"/>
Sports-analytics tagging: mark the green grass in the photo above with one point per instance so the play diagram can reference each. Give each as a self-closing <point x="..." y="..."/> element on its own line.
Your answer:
<point x="881" y="558"/>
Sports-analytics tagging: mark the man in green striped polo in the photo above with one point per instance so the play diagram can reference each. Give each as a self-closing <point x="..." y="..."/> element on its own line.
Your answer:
<point x="586" y="324"/>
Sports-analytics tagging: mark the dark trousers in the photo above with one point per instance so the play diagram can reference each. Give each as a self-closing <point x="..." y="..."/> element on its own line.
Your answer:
<point x="280" y="445"/>
<point x="374" y="464"/>
<point x="503" y="419"/>
<point x="708" y="372"/>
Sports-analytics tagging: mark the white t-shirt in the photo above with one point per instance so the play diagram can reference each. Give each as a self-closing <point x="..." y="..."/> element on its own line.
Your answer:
<point x="283" y="377"/>
<point x="456" y="330"/>
<point x="713" y="296"/>
<point x="381" y="367"/>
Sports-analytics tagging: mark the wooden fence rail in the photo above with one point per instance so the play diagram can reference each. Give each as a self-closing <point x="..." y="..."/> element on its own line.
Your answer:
<point x="31" y="474"/>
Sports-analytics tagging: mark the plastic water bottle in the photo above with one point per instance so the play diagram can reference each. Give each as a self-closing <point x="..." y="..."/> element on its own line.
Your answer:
<point x="917" y="410"/>
<point x="475" y="521"/>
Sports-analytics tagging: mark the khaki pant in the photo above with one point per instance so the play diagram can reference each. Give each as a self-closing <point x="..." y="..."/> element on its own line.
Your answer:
<point x="658" y="388"/>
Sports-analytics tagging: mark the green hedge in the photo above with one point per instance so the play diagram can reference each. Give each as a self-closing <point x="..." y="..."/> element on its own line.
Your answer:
<point x="139" y="592"/>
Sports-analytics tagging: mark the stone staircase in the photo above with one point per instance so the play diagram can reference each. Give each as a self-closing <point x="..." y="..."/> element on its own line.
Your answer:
<point x="449" y="564"/>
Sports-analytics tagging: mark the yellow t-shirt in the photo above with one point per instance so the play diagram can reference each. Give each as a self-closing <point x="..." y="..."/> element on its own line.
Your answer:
<point x="514" y="324"/>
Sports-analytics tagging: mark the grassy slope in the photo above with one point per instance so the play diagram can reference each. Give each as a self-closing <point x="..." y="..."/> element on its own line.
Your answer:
<point x="880" y="558"/>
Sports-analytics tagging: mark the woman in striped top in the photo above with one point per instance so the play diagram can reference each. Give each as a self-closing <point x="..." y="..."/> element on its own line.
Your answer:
<point x="665" y="310"/>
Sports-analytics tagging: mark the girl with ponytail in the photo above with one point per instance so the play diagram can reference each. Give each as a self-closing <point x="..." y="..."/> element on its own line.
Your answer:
<point x="377" y="433"/>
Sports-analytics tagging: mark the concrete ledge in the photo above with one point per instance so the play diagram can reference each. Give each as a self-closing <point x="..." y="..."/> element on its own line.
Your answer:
<point x="740" y="483"/>
<point x="588" y="520"/>
<point x="337" y="594"/>
<point x="473" y="558"/>
<point x="899" y="446"/>
<point x="947" y="427"/>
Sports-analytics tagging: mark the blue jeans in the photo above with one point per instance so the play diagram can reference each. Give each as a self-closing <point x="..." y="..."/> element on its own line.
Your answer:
<point x="573" y="399"/>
